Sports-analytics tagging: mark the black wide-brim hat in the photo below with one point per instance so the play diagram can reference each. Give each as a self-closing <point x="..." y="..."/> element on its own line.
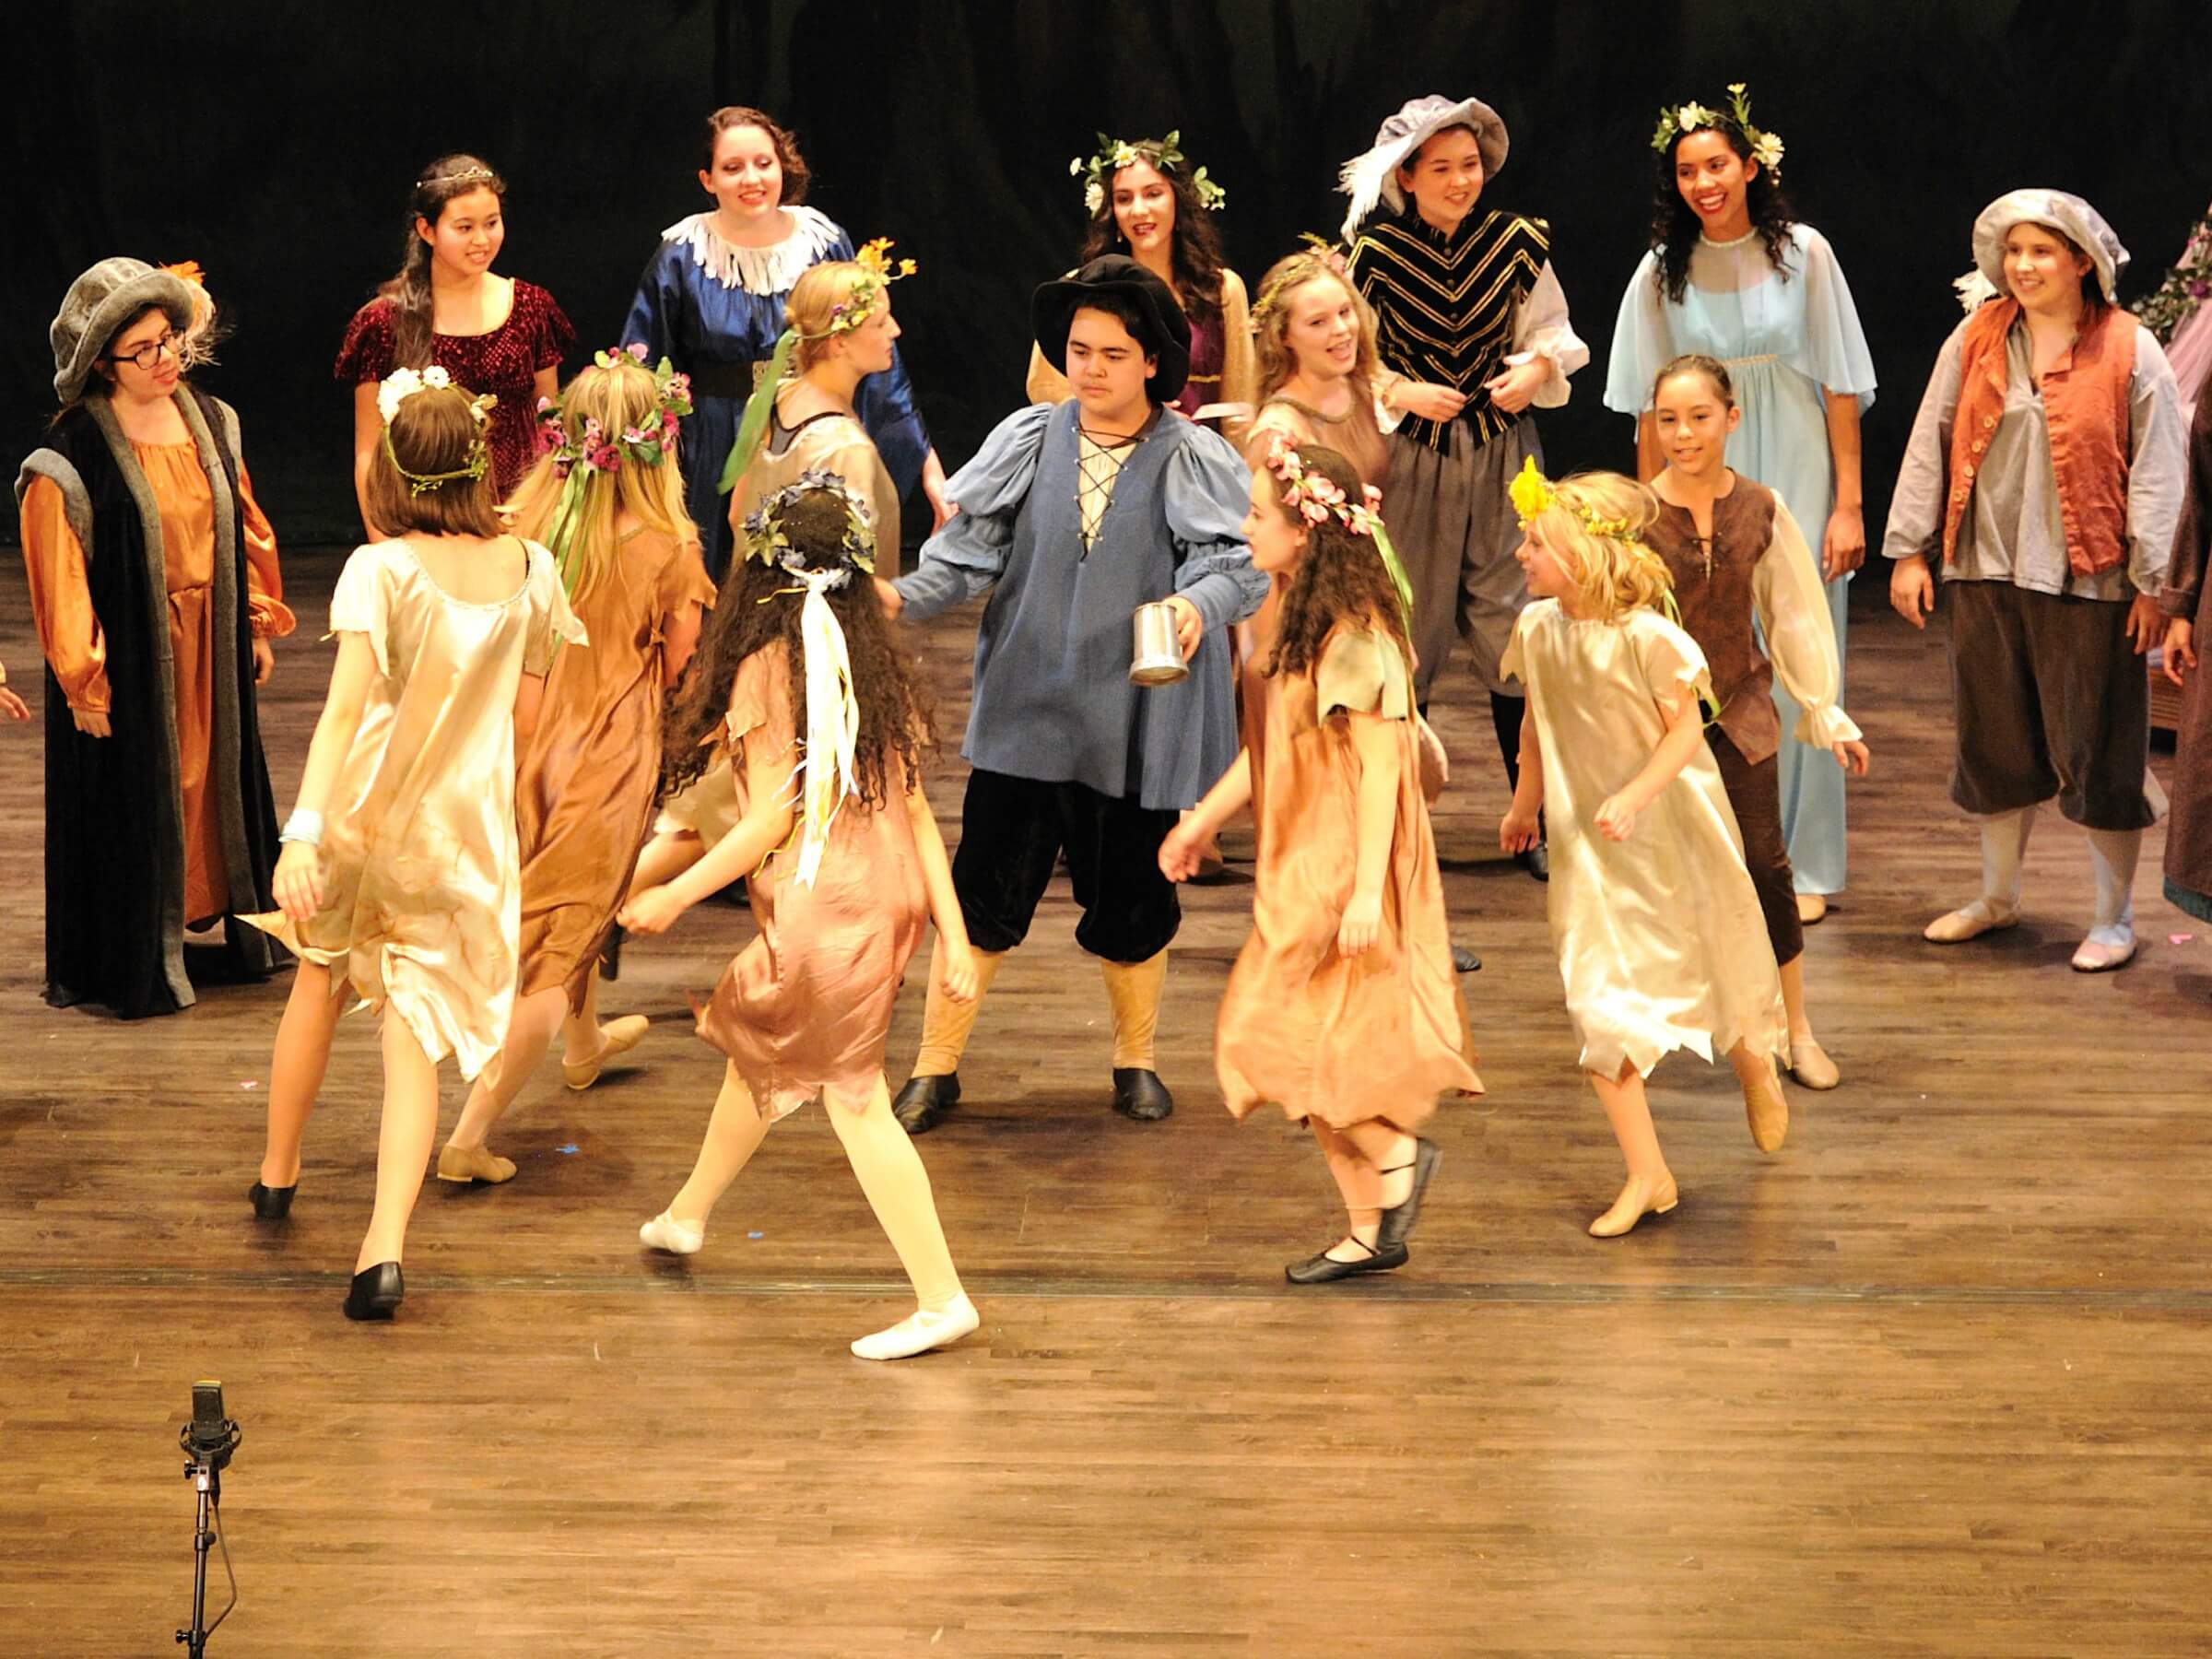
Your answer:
<point x="1166" y="335"/>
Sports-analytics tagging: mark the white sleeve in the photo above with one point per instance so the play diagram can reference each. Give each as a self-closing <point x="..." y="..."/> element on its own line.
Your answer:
<point x="1541" y="329"/>
<point x="1801" y="639"/>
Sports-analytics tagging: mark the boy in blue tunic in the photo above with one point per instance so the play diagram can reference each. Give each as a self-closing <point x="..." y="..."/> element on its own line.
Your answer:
<point x="1071" y="516"/>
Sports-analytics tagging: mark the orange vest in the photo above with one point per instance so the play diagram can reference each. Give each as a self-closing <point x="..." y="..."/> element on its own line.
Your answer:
<point x="2086" y="408"/>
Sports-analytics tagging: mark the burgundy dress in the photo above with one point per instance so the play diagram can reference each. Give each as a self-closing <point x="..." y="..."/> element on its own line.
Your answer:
<point x="504" y="362"/>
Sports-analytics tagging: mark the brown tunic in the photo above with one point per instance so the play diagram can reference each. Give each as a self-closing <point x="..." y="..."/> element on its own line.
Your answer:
<point x="1353" y="434"/>
<point x="2189" y="833"/>
<point x="1712" y="586"/>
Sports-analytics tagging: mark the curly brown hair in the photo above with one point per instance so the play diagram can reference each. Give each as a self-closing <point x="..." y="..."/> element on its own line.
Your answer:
<point x="1196" y="259"/>
<point x="796" y="173"/>
<point x="759" y="610"/>
<point x="1341" y="578"/>
<point x="1674" y="223"/>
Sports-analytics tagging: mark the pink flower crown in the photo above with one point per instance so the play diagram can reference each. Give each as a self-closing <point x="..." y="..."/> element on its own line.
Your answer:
<point x="593" y="449"/>
<point x="1313" y="499"/>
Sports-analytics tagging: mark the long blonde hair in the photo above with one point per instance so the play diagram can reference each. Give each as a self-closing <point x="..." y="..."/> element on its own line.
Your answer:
<point x="1594" y="526"/>
<point x="1271" y="321"/>
<point x="619" y="398"/>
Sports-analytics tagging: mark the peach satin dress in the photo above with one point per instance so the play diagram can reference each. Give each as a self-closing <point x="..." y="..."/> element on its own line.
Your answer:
<point x="1345" y="1039"/>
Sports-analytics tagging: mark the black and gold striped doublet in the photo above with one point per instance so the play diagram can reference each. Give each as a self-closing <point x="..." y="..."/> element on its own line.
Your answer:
<point x="1445" y="305"/>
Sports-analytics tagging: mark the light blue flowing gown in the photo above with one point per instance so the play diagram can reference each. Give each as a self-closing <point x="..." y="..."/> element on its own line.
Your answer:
<point x="1786" y="337"/>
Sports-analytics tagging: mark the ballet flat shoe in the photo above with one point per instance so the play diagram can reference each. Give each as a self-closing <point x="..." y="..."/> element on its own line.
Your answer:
<point x="1464" y="960"/>
<point x="1956" y="927"/>
<point x="271" y="1203"/>
<point x="2095" y="957"/>
<point x="1535" y="861"/>
<point x="474" y="1163"/>
<point x="923" y="1103"/>
<point x="1810" y="1065"/>
<point x="1396" y="1225"/>
<point x="375" y="1292"/>
<point x="1768" y="1111"/>
<point x="617" y="1037"/>
<point x="920" y="1331"/>
<point x="1138" y="1093"/>
<point x="1639" y="1198"/>
<point x="677" y="1238"/>
<point x="1811" y="907"/>
<point x="1326" y="1269"/>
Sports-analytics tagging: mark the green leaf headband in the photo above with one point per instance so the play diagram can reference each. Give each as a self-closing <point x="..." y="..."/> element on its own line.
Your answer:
<point x="1766" y="147"/>
<point x="1117" y="153"/>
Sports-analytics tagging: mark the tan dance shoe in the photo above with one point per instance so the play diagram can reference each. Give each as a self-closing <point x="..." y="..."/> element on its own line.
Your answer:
<point x="1644" y="1195"/>
<point x="2099" y="956"/>
<point x="474" y="1163"/>
<point x="1810" y="1065"/>
<point x="615" y="1036"/>
<point x="1811" y="907"/>
<point x="1980" y="917"/>
<point x="1768" y="1113"/>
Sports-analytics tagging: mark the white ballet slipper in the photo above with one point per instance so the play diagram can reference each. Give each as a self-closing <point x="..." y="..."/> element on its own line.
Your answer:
<point x="2105" y="949"/>
<point x="918" y="1333"/>
<point x="677" y="1238"/>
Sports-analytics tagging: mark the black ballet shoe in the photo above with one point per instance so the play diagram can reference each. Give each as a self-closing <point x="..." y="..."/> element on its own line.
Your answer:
<point x="272" y="1204"/>
<point x="923" y="1103"/>
<point x="610" y="955"/>
<point x="1464" y="960"/>
<point x="375" y="1292"/>
<point x="1535" y="860"/>
<point x="1138" y="1093"/>
<point x="1324" y="1268"/>
<point x="1397" y="1222"/>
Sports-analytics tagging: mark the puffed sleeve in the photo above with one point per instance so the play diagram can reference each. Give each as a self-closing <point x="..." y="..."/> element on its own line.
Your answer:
<point x="552" y="623"/>
<point x="654" y="307"/>
<point x="2159" y="467"/>
<point x="1364" y="672"/>
<point x="1669" y="659"/>
<point x="366" y="354"/>
<point x="1834" y="349"/>
<point x="266" y="611"/>
<point x="969" y="553"/>
<point x="1206" y="490"/>
<point x="1916" y="504"/>
<point x="60" y="601"/>
<point x="1641" y="342"/>
<point x="361" y="603"/>
<point x="1541" y="329"/>
<point x="2193" y="535"/>
<point x="1239" y="363"/>
<point x="555" y="333"/>
<point x="1801" y="638"/>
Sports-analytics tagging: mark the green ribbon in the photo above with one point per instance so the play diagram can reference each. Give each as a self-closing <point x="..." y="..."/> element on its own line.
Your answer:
<point x="1398" y="578"/>
<point x="754" y="426"/>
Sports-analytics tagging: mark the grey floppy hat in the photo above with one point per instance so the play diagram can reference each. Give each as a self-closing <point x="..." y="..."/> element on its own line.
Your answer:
<point x="1373" y="176"/>
<point x="99" y="305"/>
<point x="2060" y="210"/>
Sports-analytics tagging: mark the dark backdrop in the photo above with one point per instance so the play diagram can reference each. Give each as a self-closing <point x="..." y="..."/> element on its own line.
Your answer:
<point x="275" y="143"/>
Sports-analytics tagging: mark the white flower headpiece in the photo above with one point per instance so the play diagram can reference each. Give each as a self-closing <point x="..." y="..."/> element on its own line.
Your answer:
<point x="402" y="383"/>
<point x="1766" y="146"/>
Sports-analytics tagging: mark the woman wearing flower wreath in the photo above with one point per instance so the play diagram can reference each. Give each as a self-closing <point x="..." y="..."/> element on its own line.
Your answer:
<point x="401" y="875"/>
<point x="1471" y="318"/>
<point x="1342" y="1007"/>
<point x="711" y="300"/>
<point x="155" y="590"/>
<point x="499" y="335"/>
<point x="607" y="502"/>
<point x="1145" y="199"/>
<point x="1731" y="275"/>
<point x="2045" y="469"/>
<point x="840" y="330"/>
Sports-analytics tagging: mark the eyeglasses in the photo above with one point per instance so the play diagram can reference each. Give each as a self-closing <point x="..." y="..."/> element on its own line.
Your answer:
<point x="149" y="357"/>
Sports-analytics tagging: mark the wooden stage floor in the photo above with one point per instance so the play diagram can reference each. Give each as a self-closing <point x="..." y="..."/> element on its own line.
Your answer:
<point x="1931" y="1381"/>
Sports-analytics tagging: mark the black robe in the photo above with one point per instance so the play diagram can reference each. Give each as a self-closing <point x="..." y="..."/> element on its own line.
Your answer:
<point x="114" y="817"/>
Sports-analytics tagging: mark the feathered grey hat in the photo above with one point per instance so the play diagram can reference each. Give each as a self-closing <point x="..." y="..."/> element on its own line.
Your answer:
<point x="1374" y="176"/>
<point x="2068" y="215"/>
<point x="99" y="305"/>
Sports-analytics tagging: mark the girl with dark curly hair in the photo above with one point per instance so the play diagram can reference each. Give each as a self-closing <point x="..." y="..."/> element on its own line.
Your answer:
<point x="1731" y="275"/>
<point x="1144" y="199"/>
<point x="1343" y="1009"/>
<point x="800" y="685"/>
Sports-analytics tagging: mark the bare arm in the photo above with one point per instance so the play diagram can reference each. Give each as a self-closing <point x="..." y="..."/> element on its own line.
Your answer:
<point x="1843" y="542"/>
<point x="680" y="639"/>
<point x="765" y="827"/>
<point x="1521" y="830"/>
<point x="1684" y="736"/>
<point x="1375" y="814"/>
<point x="367" y="432"/>
<point x="1179" y="851"/>
<point x="529" y="697"/>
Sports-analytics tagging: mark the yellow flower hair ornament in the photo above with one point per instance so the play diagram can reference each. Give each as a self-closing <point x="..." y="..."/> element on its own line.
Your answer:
<point x="1532" y="496"/>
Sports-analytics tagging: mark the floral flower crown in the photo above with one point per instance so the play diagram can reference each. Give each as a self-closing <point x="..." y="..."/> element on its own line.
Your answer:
<point x="1321" y="258"/>
<point x="591" y="449"/>
<point x="1534" y="495"/>
<point x="1766" y="146"/>
<point x="1314" y="498"/>
<point x="1115" y="154"/>
<point x="402" y="383"/>
<point x="878" y="271"/>
<point x="767" y="540"/>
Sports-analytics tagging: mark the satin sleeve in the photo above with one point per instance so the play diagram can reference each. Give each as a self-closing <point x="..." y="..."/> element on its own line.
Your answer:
<point x="969" y="553"/>
<point x="61" y="600"/>
<point x="654" y="309"/>
<point x="1362" y="672"/>
<point x="1669" y="660"/>
<point x="1801" y="638"/>
<point x="361" y="603"/>
<point x="1207" y="490"/>
<point x="761" y="703"/>
<point x="552" y="623"/>
<point x="271" y="618"/>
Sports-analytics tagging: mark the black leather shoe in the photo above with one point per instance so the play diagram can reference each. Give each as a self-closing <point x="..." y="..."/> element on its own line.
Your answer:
<point x="375" y="1292"/>
<point x="1464" y="960"/>
<point x="1139" y="1094"/>
<point x="1324" y="1268"/>
<point x="1397" y="1223"/>
<point x="1535" y="861"/>
<point x="272" y="1204"/>
<point x="923" y="1103"/>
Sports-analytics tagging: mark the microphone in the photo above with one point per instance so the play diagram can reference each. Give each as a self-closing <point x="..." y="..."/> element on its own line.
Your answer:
<point x="210" y="1437"/>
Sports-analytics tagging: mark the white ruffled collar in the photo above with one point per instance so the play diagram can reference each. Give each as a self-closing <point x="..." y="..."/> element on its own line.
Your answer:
<point x="764" y="271"/>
